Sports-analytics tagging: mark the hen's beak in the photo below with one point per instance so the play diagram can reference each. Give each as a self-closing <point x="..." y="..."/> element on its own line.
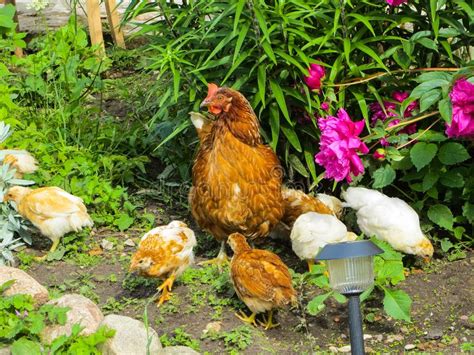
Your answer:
<point x="205" y="103"/>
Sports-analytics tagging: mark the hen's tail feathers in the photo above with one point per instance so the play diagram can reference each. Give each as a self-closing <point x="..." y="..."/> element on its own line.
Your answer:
<point x="296" y="203"/>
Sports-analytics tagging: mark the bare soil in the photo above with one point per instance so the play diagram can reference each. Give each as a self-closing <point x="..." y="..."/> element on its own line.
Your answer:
<point x="442" y="296"/>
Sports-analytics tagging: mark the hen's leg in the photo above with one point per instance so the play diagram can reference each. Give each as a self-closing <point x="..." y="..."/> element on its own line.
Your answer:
<point x="247" y="319"/>
<point x="165" y="289"/>
<point x="220" y="260"/>
<point x="53" y="248"/>
<point x="269" y="321"/>
<point x="310" y="264"/>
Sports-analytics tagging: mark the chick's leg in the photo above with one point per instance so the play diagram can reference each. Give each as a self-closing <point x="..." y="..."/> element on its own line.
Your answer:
<point x="165" y="289"/>
<point x="53" y="248"/>
<point x="221" y="259"/>
<point x="269" y="321"/>
<point x="310" y="264"/>
<point x="247" y="319"/>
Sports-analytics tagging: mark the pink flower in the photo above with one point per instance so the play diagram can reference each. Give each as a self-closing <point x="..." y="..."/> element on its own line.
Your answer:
<point x="316" y="74"/>
<point x="379" y="154"/>
<point x="462" y="98"/>
<point x="325" y="106"/>
<point x="339" y="145"/>
<point x="396" y="2"/>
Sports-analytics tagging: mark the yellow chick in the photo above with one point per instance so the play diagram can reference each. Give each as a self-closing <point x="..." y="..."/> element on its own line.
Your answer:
<point x="21" y="160"/>
<point x="52" y="210"/>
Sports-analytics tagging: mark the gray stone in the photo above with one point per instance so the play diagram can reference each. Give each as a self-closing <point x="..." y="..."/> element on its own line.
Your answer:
<point x="131" y="337"/>
<point x="24" y="284"/>
<point x="344" y="349"/>
<point x="178" y="350"/>
<point x="5" y="351"/>
<point x="434" y="333"/>
<point x="82" y="311"/>
<point x="129" y="243"/>
<point x="106" y="245"/>
<point x="410" y="346"/>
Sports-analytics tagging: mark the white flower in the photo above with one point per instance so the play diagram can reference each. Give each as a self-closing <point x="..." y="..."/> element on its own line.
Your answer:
<point x="38" y="5"/>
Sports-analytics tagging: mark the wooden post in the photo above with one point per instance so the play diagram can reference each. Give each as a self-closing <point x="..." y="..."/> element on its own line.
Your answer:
<point x="95" y="25"/>
<point x="18" y="50"/>
<point x="114" y="23"/>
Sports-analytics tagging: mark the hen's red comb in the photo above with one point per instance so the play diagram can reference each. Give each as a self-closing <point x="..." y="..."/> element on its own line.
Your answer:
<point x="211" y="90"/>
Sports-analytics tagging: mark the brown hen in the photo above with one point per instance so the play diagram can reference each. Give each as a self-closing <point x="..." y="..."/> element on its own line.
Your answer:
<point x="261" y="280"/>
<point x="237" y="180"/>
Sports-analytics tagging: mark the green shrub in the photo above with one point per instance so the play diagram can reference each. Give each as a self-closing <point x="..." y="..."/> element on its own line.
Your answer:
<point x="369" y="50"/>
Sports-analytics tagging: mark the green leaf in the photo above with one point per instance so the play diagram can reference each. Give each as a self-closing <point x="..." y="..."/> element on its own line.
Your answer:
<point x="261" y="80"/>
<point x="442" y="216"/>
<point x="296" y="163"/>
<point x="426" y="86"/>
<point x="316" y="305"/>
<point x="280" y="98"/>
<point x="274" y="125"/>
<point x="397" y="304"/>
<point x="428" y="99"/>
<point x="124" y="221"/>
<point x="429" y="180"/>
<point x="383" y="176"/>
<point x="445" y="109"/>
<point x="238" y="12"/>
<point x="292" y="137"/>
<point x="446" y="245"/>
<point x="452" y="178"/>
<point x="24" y="346"/>
<point x="370" y="52"/>
<point x="452" y="153"/>
<point x="428" y="43"/>
<point x="422" y="154"/>
<point x="468" y="211"/>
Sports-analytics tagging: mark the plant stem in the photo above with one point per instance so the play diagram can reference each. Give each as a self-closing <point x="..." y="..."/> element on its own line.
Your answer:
<point x="405" y="123"/>
<point x="418" y="136"/>
<point x="381" y="74"/>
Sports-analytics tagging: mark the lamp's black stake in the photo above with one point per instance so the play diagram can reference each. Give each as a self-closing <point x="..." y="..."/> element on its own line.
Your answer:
<point x="355" y="326"/>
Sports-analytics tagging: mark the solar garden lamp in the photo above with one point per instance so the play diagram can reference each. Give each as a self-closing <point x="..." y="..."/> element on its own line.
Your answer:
<point x="351" y="272"/>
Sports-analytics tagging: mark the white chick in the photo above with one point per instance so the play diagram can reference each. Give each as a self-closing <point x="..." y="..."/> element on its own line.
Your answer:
<point x="389" y="219"/>
<point x="312" y="231"/>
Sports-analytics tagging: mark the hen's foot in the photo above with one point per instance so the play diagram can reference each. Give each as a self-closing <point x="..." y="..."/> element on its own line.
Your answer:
<point x="247" y="319"/>
<point x="268" y="324"/>
<point x="221" y="260"/>
<point x="52" y="249"/>
<point x="41" y="258"/>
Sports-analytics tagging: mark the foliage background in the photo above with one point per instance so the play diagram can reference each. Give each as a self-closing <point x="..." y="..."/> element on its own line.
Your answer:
<point x="263" y="49"/>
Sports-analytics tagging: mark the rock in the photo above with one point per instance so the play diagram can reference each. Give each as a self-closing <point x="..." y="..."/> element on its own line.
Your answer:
<point x="333" y="349"/>
<point x="177" y="350"/>
<point x="82" y="310"/>
<point x="5" y="351"/>
<point x="464" y="318"/>
<point x="367" y="336"/>
<point x="410" y="346"/>
<point x="212" y="327"/>
<point x="394" y="337"/>
<point x="24" y="284"/>
<point x="106" y="245"/>
<point x="129" y="243"/>
<point x="434" y="333"/>
<point x="344" y="349"/>
<point x="131" y="337"/>
<point x="378" y="337"/>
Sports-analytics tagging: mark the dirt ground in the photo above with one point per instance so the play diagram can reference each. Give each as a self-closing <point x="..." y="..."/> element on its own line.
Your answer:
<point x="442" y="296"/>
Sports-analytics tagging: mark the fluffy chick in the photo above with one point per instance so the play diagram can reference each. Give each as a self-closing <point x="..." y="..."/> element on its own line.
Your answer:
<point x="312" y="231"/>
<point x="21" y="160"/>
<point x="165" y="252"/>
<point x="389" y="219"/>
<point x="333" y="203"/>
<point x="261" y="280"/>
<point x="52" y="210"/>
